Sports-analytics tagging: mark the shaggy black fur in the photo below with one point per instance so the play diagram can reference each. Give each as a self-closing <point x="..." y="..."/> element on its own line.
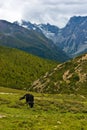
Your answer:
<point x="29" y="99"/>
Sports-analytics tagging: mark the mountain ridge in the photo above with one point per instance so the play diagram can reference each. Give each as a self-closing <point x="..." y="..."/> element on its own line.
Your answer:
<point x="46" y="40"/>
<point x="15" y="36"/>
<point x="71" y="38"/>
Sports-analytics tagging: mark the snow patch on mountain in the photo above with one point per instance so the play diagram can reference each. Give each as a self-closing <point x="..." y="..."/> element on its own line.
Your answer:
<point x="47" y="33"/>
<point x="25" y="26"/>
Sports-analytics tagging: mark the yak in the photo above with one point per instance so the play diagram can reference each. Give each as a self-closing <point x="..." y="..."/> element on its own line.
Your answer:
<point x="29" y="99"/>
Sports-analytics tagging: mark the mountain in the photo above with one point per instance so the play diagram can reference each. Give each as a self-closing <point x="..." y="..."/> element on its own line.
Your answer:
<point x="69" y="77"/>
<point x="46" y="40"/>
<point x="72" y="39"/>
<point x="50" y="31"/>
<point x="19" y="69"/>
<point x="34" y="42"/>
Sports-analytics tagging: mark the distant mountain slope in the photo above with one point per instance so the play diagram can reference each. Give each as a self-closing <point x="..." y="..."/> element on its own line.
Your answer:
<point x="69" y="77"/>
<point x="19" y="69"/>
<point x="72" y="39"/>
<point x="50" y="31"/>
<point x="15" y="36"/>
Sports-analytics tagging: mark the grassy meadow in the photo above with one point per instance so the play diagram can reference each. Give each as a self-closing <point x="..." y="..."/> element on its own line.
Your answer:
<point x="50" y="112"/>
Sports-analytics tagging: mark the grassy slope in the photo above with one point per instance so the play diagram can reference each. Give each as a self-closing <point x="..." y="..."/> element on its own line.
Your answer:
<point x="70" y="77"/>
<point x="50" y="112"/>
<point x="19" y="69"/>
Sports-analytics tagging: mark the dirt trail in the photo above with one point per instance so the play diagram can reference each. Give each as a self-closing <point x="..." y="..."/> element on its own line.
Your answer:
<point x="5" y="93"/>
<point x="2" y="116"/>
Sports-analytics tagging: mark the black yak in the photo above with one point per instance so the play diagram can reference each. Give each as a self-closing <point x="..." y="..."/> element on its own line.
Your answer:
<point x="29" y="99"/>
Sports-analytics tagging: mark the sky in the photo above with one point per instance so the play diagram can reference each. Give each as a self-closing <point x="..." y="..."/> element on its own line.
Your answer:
<point x="55" y="12"/>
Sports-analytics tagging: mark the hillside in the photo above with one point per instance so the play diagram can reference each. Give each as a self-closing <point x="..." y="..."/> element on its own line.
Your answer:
<point x="72" y="38"/>
<point x="15" y="36"/>
<point x="19" y="69"/>
<point x="69" y="77"/>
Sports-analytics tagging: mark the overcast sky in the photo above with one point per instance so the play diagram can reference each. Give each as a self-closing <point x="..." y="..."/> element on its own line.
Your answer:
<point x="55" y="12"/>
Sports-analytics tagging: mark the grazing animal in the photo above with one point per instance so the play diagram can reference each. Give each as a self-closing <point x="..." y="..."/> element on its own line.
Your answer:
<point x="29" y="99"/>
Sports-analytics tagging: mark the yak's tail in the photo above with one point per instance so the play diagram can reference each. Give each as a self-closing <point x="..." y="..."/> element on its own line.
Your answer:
<point x="22" y="97"/>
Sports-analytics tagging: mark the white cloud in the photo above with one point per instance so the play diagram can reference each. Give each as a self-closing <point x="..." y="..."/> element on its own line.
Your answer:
<point x="56" y="12"/>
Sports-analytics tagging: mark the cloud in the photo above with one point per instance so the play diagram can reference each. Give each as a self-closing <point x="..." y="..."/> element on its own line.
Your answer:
<point x="56" y="12"/>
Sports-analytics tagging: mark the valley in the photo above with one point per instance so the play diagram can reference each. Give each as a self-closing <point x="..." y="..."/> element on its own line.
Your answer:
<point x="51" y="64"/>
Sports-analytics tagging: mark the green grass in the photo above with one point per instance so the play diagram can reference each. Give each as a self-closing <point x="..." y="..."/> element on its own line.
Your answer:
<point x="50" y="112"/>
<point x="19" y="69"/>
